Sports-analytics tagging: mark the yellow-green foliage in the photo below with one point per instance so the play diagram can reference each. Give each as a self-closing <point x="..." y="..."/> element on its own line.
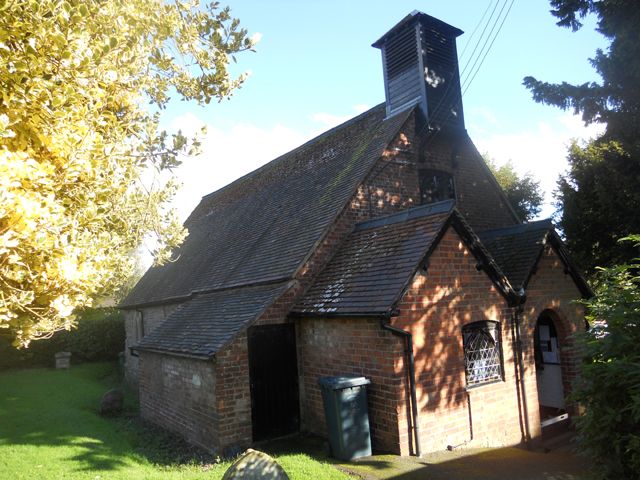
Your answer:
<point x="81" y="154"/>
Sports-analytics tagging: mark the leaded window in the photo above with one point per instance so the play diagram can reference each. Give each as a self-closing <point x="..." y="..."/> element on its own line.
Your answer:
<point x="482" y="354"/>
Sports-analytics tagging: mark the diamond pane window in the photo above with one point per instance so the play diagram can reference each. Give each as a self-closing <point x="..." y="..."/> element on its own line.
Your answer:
<point x="482" y="355"/>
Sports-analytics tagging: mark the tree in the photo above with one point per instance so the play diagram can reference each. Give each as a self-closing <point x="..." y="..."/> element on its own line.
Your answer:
<point x="83" y="164"/>
<point x="609" y="390"/>
<point x="599" y="196"/>
<point x="523" y="193"/>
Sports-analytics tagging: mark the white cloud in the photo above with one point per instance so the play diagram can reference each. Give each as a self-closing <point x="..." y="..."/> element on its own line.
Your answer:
<point x="541" y="151"/>
<point x="361" y="108"/>
<point x="329" y="120"/>
<point x="227" y="155"/>
<point x="486" y="115"/>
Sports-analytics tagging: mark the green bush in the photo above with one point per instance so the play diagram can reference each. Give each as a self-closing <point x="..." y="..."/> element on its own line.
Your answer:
<point x="99" y="336"/>
<point x="609" y="390"/>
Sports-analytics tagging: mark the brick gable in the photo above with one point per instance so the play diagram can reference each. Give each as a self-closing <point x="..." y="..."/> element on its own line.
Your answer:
<point x="439" y="302"/>
<point x="393" y="183"/>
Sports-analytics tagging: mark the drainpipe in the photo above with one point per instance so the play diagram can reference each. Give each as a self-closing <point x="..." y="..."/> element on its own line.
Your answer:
<point x="518" y="309"/>
<point x="412" y="379"/>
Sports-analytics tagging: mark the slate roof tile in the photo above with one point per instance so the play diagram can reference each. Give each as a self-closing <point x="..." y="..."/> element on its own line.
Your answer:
<point x="203" y="325"/>
<point x="371" y="268"/>
<point x="516" y="249"/>
<point x="264" y="225"/>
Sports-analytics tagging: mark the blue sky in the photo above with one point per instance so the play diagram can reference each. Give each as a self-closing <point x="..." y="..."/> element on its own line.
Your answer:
<point x="314" y="67"/>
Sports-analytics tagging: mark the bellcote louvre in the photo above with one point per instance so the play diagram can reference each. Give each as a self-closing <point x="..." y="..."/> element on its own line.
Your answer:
<point x="420" y="63"/>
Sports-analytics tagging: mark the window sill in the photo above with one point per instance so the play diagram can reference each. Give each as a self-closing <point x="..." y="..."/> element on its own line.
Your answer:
<point x="469" y="388"/>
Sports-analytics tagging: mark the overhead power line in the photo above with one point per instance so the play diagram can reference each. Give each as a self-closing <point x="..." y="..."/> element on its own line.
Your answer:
<point x="469" y="79"/>
<point x="475" y="48"/>
<point x="470" y="39"/>
<point x="444" y="98"/>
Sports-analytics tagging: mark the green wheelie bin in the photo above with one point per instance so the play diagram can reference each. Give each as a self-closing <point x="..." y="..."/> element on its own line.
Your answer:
<point x="347" y="416"/>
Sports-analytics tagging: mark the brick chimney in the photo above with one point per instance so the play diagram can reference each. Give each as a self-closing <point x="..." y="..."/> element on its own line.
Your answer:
<point x="420" y="64"/>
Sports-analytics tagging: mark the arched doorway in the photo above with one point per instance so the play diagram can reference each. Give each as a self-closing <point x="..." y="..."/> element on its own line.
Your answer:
<point x="549" y="369"/>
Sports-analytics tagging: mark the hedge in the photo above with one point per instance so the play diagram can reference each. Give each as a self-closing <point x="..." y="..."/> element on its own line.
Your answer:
<point x="99" y="336"/>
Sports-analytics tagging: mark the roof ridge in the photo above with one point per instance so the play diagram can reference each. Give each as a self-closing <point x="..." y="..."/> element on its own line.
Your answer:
<point x="306" y="144"/>
<point x="516" y="229"/>
<point x="406" y="215"/>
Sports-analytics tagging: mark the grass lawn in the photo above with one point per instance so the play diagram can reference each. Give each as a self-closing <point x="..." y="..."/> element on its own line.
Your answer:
<point x="50" y="429"/>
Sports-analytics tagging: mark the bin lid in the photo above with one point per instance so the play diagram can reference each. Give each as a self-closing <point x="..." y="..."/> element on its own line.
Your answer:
<point x="340" y="382"/>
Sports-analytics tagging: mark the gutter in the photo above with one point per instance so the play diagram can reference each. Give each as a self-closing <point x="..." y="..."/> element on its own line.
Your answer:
<point x="412" y="377"/>
<point x="317" y="314"/>
<point x="202" y="291"/>
<point x="175" y="354"/>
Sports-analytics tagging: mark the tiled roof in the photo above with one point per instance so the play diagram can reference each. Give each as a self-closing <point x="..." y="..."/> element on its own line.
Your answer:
<point x="374" y="264"/>
<point x="203" y="325"/>
<point x="264" y="225"/>
<point x="516" y="249"/>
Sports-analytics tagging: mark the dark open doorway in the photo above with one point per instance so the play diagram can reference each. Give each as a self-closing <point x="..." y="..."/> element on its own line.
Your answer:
<point x="273" y="374"/>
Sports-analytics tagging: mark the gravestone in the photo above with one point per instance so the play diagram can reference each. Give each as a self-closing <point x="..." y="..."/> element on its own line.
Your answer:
<point x="63" y="360"/>
<point x="111" y="403"/>
<point x="254" y="465"/>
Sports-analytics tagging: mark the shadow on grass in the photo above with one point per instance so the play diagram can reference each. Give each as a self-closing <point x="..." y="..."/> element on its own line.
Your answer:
<point x="53" y="408"/>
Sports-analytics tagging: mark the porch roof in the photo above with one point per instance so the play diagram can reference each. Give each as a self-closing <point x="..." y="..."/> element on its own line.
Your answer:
<point x="373" y="266"/>
<point x="203" y="325"/>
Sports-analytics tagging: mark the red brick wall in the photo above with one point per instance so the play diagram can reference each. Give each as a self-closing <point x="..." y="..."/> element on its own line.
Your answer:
<point x="451" y="294"/>
<point x="179" y="394"/>
<point x="233" y="394"/>
<point x="391" y="187"/>
<point x="355" y="346"/>
<point x="393" y="184"/>
<point x="436" y="306"/>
